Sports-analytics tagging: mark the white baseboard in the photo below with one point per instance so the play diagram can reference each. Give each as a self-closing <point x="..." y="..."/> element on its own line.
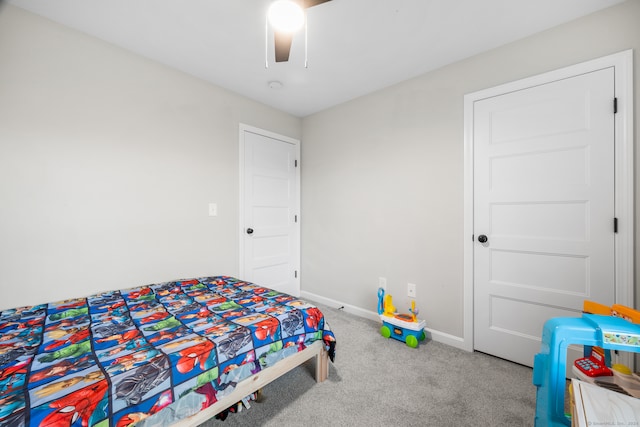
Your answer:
<point x="433" y="334"/>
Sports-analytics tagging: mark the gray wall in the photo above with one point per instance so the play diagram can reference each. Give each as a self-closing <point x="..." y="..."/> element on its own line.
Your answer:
<point x="107" y="164"/>
<point x="383" y="174"/>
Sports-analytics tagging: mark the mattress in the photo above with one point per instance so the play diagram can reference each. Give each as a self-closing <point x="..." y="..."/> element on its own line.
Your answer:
<point x="126" y="357"/>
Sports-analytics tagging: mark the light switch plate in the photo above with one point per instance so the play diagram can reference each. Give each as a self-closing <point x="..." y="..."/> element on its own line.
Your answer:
<point x="213" y="209"/>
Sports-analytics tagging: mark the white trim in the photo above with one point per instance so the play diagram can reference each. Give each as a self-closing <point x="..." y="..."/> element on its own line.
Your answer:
<point x="467" y="273"/>
<point x="435" y="335"/>
<point x="624" y="178"/>
<point x="241" y="211"/>
<point x="622" y="63"/>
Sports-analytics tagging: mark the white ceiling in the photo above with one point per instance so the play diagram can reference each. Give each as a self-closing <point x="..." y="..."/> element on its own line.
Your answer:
<point x="354" y="46"/>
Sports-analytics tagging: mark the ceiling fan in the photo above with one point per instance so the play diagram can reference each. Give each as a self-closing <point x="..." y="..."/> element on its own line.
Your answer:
<point x="284" y="37"/>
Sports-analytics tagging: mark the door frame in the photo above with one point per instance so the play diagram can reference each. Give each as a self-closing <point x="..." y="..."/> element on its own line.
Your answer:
<point x="622" y="63"/>
<point x="241" y="208"/>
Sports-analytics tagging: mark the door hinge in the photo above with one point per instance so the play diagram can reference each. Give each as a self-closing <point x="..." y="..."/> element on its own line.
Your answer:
<point x="295" y="218"/>
<point x="295" y="163"/>
<point x="295" y="274"/>
<point x="615" y="105"/>
<point x="615" y="225"/>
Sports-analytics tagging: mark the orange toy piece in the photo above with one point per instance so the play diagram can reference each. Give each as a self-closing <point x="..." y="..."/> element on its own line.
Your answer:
<point x="626" y="313"/>
<point x="596" y="308"/>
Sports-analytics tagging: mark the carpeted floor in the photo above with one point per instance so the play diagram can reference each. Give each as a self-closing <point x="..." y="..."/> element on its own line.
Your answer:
<point x="376" y="381"/>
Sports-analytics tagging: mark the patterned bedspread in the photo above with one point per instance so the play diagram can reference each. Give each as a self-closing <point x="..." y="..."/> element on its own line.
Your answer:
<point x="115" y="358"/>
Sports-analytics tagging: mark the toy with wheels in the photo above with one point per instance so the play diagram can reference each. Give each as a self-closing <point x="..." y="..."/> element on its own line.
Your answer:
<point x="403" y="327"/>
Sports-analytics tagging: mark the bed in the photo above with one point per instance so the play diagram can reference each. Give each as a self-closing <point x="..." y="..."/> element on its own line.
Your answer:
<point x="167" y="353"/>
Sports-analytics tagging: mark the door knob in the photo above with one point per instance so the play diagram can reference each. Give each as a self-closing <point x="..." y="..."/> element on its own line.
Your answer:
<point x="482" y="238"/>
<point x="249" y="230"/>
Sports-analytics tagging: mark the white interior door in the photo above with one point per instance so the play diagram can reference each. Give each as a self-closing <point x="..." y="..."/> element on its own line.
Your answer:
<point x="270" y="254"/>
<point x="544" y="199"/>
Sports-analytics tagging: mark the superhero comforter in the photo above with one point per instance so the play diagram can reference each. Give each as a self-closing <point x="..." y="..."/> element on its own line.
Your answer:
<point x="115" y="358"/>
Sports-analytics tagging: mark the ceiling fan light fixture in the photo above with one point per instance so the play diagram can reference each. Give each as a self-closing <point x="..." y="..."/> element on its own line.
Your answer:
<point x="286" y="16"/>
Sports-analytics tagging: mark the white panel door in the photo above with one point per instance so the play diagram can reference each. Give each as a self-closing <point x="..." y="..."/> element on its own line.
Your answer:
<point x="544" y="200"/>
<point x="270" y="212"/>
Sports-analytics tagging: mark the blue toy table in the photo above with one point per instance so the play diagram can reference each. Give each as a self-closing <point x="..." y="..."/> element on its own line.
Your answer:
<point x="549" y="366"/>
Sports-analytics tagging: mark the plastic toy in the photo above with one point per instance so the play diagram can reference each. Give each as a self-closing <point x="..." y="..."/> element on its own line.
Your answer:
<point x="403" y="327"/>
<point x="609" y="332"/>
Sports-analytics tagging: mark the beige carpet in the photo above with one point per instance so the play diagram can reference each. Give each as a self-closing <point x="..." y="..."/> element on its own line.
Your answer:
<point x="376" y="381"/>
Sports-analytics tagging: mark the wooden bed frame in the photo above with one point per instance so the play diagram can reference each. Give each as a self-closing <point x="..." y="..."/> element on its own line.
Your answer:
<point x="261" y="379"/>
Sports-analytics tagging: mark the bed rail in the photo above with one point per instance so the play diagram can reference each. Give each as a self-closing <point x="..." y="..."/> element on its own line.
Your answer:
<point x="261" y="379"/>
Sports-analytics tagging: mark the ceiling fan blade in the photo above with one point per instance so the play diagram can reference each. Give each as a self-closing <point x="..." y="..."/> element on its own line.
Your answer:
<point x="282" y="42"/>
<point x="311" y="3"/>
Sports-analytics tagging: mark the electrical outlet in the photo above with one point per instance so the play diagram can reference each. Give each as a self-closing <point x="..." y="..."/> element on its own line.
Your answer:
<point x="382" y="283"/>
<point x="411" y="290"/>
